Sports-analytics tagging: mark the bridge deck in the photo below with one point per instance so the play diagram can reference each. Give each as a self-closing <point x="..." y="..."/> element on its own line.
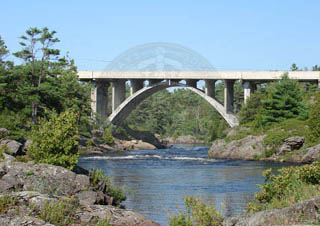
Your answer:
<point x="218" y="75"/>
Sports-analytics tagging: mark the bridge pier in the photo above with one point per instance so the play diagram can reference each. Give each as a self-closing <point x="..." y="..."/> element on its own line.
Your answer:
<point x="211" y="87"/>
<point x="118" y="93"/>
<point x="228" y="95"/>
<point x="136" y="84"/>
<point x="192" y="82"/>
<point x="99" y="99"/>
<point x="248" y="88"/>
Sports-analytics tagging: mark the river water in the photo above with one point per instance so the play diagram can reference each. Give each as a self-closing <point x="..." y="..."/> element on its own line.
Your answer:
<point x="157" y="180"/>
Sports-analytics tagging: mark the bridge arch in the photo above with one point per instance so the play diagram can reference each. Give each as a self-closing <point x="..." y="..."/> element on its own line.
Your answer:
<point x="127" y="106"/>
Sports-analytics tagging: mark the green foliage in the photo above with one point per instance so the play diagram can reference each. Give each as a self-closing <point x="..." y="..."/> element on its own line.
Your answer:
<point x="284" y="101"/>
<point x="178" y="113"/>
<point x="314" y="120"/>
<point x="6" y="202"/>
<point x="107" y="137"/>
<point x="55" y="142"/>
<point x="290" y="185"/>
<point x="59" y="213"/>
<point x="104" y="222"/>
<point x="197" y="213"/>
<point x="249" y="111"/>
<point x="103" y="183"/>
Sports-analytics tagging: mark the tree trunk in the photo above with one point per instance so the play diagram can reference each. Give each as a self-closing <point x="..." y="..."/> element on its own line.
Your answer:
<point x="34" y="106"/>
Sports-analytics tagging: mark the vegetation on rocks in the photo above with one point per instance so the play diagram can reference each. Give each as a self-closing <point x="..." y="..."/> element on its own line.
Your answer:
<point x="55" y="141"/>
<point x="289" y="186"/>
<point x="197" y="212"/>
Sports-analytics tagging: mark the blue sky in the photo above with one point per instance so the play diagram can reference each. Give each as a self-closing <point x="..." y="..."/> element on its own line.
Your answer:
<point x="231" y="35"/>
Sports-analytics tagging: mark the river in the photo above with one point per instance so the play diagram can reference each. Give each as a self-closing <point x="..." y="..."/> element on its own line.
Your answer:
<point x="157" y="180"/>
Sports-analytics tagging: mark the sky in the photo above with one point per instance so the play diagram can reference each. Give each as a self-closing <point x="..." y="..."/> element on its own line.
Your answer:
<point x="233" y="35"/>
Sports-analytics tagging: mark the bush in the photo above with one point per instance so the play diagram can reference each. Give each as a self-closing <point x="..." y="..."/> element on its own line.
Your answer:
<point x="55" y="141"/>
<point x="198" y="213"/>
<point x="291" y="185"/>
<point x="107" y="137"/>
<point x="102" y="183"/>
<point x="314" y="120"/>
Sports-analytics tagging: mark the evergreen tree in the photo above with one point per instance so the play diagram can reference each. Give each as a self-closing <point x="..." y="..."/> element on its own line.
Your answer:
<point x="284" y="101"/>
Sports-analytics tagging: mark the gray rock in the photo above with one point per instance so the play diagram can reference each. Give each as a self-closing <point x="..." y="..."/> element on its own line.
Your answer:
<point x="3" y="132"/>
<point x="247" y="148"/>
<point x="300" y="213"/>
<point x="13" y="147"/>
<point x="87" y="197"/>
<point x="97" y="133"/>
<point x="290" y="144"/>
<point x="26" y="145"/>
<point x="312" y="154"/>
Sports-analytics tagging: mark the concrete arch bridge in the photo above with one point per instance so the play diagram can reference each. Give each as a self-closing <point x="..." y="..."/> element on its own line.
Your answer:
<point x="159" y="80"/>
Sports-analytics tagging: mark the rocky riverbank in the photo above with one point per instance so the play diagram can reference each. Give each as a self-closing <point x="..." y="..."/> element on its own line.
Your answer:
<point x="302" y="213"/>
<point x="42" y="194"/>
<point x="253" y="148"/>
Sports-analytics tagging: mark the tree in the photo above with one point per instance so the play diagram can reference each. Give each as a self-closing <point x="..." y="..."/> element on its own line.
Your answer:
<point x="314" y="120"/>
<point x="316" y="68"/>
<point x="284" y="101"/>
<point x="294" y="67"/>
<point x="41" y="58"/>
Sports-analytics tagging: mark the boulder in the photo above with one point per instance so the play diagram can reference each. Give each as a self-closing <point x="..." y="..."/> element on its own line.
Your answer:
<point x="97" y="133"/>
<point x="26" y="145"/>
<point x="3" y="132"/>
<point x="137" y="145"/>
<point x="13" y="147"/>
<point x="290" y="144"/>
<point x="311" y="154"/>
<point x="247" y="148"/>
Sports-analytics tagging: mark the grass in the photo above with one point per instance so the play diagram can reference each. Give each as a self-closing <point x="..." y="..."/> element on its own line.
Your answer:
<point x="7" y="202"/>
<point x="103" y="183"/>
<point x="59" y="213"/>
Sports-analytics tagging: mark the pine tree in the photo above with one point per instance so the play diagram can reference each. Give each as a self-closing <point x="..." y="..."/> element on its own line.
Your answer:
<point x="284" y="101"/>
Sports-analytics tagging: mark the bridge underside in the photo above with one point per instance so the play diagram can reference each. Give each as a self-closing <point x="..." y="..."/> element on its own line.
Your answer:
<point x="122" y="107"/>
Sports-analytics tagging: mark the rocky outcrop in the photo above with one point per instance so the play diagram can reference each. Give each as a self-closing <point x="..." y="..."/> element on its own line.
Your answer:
<point x="306" y="212"/>
<point x="32" y="185"/>
<point x="290" y="144"/>
<point x="28" y="205"/>
<point x="3" y="132"/>
<point x="188" y="139"/>
<point x="247" y="148"/>
<point x="137" y="145"/>
<point x="12" y="147"/>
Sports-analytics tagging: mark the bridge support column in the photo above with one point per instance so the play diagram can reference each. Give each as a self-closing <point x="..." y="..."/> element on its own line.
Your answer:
<point x="118" y="93"/>
<point x="248" y="88"/>
<point x="228" y="95"/>
<point x="99" y="99"/>
<point x="192" y="82"/>
<point x="136" y="84"/>
<point x="211" y="88"/>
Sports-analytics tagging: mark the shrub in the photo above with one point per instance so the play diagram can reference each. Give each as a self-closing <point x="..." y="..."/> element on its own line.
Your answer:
<point x="314" y="120"/>
<point x="103" y="183"/>
<point x="197" y="213"/>
<point x="291" y="185"/>
<point x="55" y="141"/>
<point x="107" y="137"/>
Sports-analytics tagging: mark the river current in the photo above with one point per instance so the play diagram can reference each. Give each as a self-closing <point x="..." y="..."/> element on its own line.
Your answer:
<point x="157" y="180"/>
